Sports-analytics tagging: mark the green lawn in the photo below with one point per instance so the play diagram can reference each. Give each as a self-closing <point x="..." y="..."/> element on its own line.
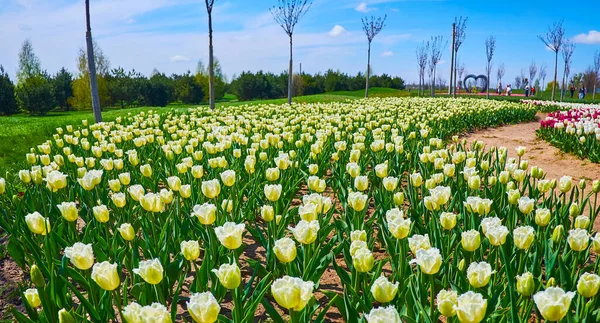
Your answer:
<point x="18" y="133"/>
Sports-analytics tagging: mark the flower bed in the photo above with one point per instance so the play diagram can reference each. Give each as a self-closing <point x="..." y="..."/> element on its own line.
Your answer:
<point x="269" y="212"/>
<point x="574" y="131"/>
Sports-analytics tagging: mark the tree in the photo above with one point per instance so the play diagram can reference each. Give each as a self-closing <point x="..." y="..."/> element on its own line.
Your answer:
<point x="371" y="27"/>
<point x="500" y="73"/>
<point x="160" y="90"/>
<point x="490" y="47"/>
<point x="187" y="90"/>
<point x="554" y="40"/>
<point x="461" y="25"/>
<point x="211" y="70"/>
<point x="63" y="89"/>
<point x="29" y="63"/>
<point x="35" y="95"/>
<point x="8" y="104"/>
<point x="91" y="66"/>
<point x="203" y="78"/>
<point x="567" y="52"/>
<point x="532" y="71"/>
<point x="461" y="70"/>
<point x="596" y="69"/>
<point x="437" y="44"/>
<point x="82" y="95"/>
<point x="287" y="14"/>
<point x="422" y="52"/>
<point x="524" y="80"/>
<point x="543" y="74"/>
<point x="518" y="82"/>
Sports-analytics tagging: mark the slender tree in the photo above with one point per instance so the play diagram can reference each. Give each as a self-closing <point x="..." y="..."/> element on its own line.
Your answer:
<point x="567" y="53"/>
<point x="287" y="14"/>
<point x="437" y="44"/>
<point x="461" y="26"/>
<point x="211" y="68"/>
<point x="596" y="69"/>
<point x="92" y="66"/>
<point x="533" y="69"/>
<point x="554" y="40"/>
<point x="542" y="74"/>
<point x="500" y="72"/>
<point x="422" y="52"/>
<point x="490" y="48"/>
<point x="371" y="26"/>
<point x="461" y="70"/>
<point x="29" y="63"/>
<point x="452" y="67"/>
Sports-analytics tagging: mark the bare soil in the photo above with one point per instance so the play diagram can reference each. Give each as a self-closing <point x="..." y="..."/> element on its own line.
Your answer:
<point x="539" y="152"/>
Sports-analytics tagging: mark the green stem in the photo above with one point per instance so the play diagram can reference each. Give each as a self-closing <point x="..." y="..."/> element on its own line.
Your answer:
<point x="432" y="298"/>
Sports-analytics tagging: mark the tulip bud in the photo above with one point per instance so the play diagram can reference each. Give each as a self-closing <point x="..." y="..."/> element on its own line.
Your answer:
<point x="582" y="222"/>
<point x="461" y="265"/>
<point x="126" y="231"/>
<point x="596" y="186"/>
<point x="65" y="317"/>
<point x="32" y="297"/>
<point x="106" y="275"/>
<point x="525" y="284"/>
<point x="190" y="250"/>
<point x="557" y="234"/>
<point x="574" y="210"/>
<point x="229" y="275"/>
<point x="399" y="198"/>
<point x="551" y="282"/>
<point x="37" y="277"/>
<point x="203" y="307"/>
<point x="285" y="250"/>
<point x="363" y="260"/>
<point x="383" y="290"/>
<point x="588" y="285"/>
<point x="150" y="270"/>
<point x="446" y="301"/>
<point x="582" y="184"/>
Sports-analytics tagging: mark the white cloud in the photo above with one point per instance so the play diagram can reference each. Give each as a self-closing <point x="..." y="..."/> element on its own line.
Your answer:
<point x="337" y="30"/>
<point x="387" y="54"/>
<point x="362" y="7"/>
<point x="179" y="58"/>
<point x="592" y="37"/>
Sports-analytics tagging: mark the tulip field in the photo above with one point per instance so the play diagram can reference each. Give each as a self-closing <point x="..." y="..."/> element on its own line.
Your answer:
<point x="371" y="211"/>
<point x="576" y="131"/>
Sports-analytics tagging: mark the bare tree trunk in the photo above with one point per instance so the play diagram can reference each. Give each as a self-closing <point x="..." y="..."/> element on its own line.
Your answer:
<point x="555" y="74"/>
<point x="420" y="84"/>
<point x="594" y="93"/>
<point x="290" y="74"/>
<point x="455" y="80"/>
<point x="433" y="84"/>
<point x="368" y="71"/>
<point x="487" y="95"/>
<point x="92" y="66"/>
<point x="452" y="61"/>
<point x="562" y="88"/>
<point x="211" y="64"/>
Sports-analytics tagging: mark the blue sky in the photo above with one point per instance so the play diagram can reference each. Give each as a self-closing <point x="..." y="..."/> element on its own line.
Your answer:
<point x="170" y="35"/>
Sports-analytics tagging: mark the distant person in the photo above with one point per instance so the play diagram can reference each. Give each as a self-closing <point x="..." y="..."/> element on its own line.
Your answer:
<point x="572" y="89"/>
<point x="527" y="90"/>
<point x="581" y="92"/>
<point x="533" y="91"/>
<point x="508" y="90"/>
<point x="499" y="90"/>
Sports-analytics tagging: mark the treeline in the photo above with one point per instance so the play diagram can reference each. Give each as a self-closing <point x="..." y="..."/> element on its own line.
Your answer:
<point x="38" y="92"/>
<point x="264" y="85"/>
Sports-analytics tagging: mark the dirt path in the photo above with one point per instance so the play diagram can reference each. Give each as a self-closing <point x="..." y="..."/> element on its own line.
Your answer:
<point x="539" y="152"/>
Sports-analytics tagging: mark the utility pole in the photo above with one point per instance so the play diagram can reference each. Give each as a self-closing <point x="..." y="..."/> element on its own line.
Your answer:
<point x="452" y="62"/>
<point x="92" y="66"/>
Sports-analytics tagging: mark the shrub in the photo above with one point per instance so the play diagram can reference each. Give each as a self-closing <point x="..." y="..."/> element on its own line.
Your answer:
<point x="8" y="104"/>
<point x="36" y="95"/>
